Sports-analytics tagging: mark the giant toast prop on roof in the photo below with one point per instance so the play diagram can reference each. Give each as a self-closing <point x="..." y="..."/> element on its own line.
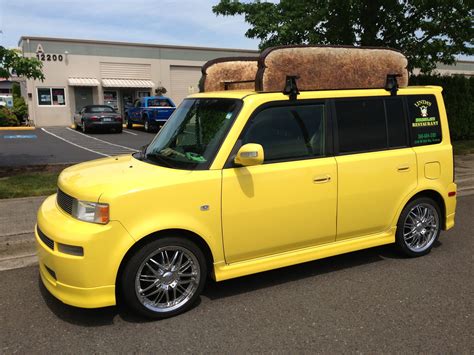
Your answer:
<point x="329" y="67"/>
<point x="233" y="73"/>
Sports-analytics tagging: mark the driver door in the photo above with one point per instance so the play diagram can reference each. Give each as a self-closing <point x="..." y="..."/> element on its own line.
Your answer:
<point x="289" y="202"/>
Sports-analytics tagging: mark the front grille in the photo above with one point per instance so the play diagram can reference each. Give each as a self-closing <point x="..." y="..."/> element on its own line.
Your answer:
<point x="64" y="201"/>
<point x="45" y="239"/>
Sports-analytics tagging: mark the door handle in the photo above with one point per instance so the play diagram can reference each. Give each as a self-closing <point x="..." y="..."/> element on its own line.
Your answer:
<point x="322" y="179"/>
<point x="403" y="168"/>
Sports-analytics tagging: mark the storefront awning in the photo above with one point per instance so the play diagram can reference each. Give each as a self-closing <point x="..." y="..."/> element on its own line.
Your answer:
<point x="126" y="83"/>
<point x="83" y="82"/>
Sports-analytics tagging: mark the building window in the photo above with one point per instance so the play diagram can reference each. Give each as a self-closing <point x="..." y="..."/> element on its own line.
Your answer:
<point x="51" y="97"/>
<point x="141" y="94"/>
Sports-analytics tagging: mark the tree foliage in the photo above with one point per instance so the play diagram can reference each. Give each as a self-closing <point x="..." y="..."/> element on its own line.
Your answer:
<point x="426" y="31"/>
<point x="11" y="61"/>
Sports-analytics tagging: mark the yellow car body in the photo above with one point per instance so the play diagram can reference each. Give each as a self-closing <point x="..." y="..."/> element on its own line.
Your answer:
<point x="234" y="214"/>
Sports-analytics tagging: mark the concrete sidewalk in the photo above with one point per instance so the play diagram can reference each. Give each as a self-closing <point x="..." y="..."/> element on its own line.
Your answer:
<point x="18" y="218"/>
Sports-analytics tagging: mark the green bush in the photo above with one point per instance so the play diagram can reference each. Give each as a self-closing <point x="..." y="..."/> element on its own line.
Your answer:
<point x="16" y="90"/>
<point x="8" y="118"/>
<point x="458" y="93"/>
<point x="20" y="109"/>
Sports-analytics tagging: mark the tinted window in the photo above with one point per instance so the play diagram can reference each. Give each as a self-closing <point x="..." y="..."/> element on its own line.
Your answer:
<point x="159" y="103"/>
<point x="97" y="109"/>
<point x="361" y="125"/>
<point x="424" y="120"/>
<point x="290" y="132"/>
<point x="396" y="123"/>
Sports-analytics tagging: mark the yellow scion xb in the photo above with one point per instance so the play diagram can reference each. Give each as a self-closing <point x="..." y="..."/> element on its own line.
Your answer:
<point x="240" y="182"/>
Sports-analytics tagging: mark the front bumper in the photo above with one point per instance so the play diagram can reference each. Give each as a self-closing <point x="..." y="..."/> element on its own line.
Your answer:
<point x="84" y="281"/>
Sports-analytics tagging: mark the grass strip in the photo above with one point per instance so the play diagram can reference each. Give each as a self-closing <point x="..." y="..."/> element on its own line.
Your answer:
<point x="463" y="147"/>
<point x="28" y="184"/>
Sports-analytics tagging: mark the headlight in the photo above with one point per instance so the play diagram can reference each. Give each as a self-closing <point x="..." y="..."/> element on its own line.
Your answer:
<point x="91" y="211"/>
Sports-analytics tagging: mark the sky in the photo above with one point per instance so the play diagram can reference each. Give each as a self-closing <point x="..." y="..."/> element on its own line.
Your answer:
<point x="175" y="22"/>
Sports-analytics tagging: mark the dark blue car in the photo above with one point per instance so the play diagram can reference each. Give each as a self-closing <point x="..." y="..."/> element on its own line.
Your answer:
<point x="152" y="112"/>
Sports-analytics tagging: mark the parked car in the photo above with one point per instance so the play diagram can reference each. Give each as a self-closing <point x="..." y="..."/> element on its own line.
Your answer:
<point x="98" y="116"/>
<point x="151" y="111"/>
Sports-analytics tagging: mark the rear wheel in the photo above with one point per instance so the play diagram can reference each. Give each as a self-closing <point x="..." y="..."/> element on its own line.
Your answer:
<point x="84" y="128"/>
<point x="418" y="227"/>
<point x="164" y="277"/>
<point x="127" y="122"/>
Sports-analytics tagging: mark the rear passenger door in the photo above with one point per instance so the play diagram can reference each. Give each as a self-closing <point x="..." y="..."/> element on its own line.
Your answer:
<point x="376" y="167"/>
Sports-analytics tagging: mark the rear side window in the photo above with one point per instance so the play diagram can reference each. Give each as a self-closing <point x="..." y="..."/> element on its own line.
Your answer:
<point x="424" y="120"/>
<point x="370" y="124"/>
<point x="288" y="133"/>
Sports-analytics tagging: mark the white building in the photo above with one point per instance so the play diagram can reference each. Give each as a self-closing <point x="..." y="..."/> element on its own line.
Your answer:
<point x="82" y="72"/>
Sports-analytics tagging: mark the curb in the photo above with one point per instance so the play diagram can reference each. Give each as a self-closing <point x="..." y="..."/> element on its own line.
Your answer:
<point x="17" y="128"/>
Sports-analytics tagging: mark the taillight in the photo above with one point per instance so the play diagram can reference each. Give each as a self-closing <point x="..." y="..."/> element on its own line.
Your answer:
<point x="118" y="118"/>
<point x="94" y="118"/>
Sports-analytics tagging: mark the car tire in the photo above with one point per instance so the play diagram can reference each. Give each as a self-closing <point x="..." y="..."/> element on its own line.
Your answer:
<point x="418" y="227"/>
<point x="119" y="130"/>
<point x="164" y="277"/>
<point x="146" y="125"/>
<point x="127" y="122"/>
<point x="84" y="128"/>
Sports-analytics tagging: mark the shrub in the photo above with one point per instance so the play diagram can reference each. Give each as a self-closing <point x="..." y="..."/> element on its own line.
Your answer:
<point x="8" y="118"/>
<point x="20" y="108"/>
<point x="458" y="93"/>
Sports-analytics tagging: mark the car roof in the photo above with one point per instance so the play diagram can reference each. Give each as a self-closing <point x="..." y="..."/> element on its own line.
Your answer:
<point x="242" y="94"/>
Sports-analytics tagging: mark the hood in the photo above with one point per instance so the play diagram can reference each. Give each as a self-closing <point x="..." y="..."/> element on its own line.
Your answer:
<point x="114" y="176"/>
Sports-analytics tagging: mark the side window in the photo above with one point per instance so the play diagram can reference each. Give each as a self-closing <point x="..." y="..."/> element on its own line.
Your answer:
<point x="396" y="123"/>
<point x="370" y="124"/>
<point x="424" y="120"/>
<point x="289" y="132"/>
<point x="361" y="125"/>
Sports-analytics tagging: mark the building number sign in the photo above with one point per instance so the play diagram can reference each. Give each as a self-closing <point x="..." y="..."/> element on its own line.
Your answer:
<point x="46" y="57"/>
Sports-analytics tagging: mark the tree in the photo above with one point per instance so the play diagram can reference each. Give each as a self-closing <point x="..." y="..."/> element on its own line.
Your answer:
<point x="20" y="108"/>
<point x="426" y="31"/>
<point x="11" y="62"/>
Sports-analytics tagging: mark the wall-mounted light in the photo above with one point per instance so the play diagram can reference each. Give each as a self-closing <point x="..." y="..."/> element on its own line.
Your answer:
<point x="66" y="53"/>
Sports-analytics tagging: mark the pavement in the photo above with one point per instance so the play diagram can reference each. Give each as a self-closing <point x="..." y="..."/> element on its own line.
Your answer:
<point x="371" y="301"/>
<point x="64" y="145"/>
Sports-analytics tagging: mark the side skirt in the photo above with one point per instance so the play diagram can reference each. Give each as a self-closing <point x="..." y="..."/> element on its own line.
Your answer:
<point x="223" y="271"/>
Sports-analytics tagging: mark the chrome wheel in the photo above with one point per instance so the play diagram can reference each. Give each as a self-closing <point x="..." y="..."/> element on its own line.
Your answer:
<point x="147" y="126"/>
<point x="421" y="227"/>
<point x="167" y="279"/>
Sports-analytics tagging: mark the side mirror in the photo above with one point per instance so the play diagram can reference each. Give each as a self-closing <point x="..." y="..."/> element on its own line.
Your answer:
<point x="249" y="154"/>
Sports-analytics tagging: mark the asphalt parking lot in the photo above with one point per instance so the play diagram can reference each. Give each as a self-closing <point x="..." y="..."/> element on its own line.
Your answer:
<point x="63" y="145"/>
<point x="371" y="301"/>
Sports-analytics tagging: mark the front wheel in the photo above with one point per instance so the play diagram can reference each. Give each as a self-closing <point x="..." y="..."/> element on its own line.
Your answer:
<point x="418" y="227"/>
<point x="164" y="278"/>
<point x="147" y="126"/>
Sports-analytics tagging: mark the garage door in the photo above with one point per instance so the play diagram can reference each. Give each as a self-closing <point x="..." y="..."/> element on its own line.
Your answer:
<point x="184" y="81"/>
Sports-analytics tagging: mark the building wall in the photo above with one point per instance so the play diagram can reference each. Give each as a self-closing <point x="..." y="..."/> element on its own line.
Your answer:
<point x="82" y="59"/>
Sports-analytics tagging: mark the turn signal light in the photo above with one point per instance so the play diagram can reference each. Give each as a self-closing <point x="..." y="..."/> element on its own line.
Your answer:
<point x="452" y="193"/>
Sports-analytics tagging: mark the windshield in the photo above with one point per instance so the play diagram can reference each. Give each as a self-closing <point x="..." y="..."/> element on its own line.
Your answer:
<point x="193" y="134"/>
<point x="97" y="109"/>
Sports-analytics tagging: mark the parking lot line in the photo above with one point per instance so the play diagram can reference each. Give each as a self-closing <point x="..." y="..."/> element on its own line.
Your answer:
<point x="100" y="140"/>
<point x="77" y="145"/>
<point x="125" y="131"/>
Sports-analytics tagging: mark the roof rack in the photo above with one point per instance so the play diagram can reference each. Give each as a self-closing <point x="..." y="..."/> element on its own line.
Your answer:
<point x="315" y="67"/>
